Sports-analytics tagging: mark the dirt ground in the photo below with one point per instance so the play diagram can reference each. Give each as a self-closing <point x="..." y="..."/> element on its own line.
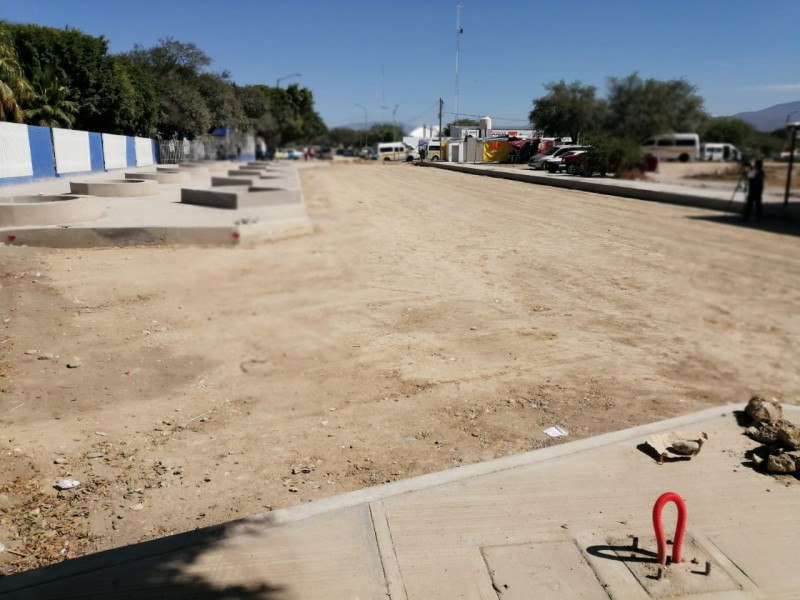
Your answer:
<point x="433" y="320"/>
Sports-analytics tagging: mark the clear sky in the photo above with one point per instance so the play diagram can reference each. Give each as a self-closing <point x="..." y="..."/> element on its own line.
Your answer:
<point x="396" y="59"/>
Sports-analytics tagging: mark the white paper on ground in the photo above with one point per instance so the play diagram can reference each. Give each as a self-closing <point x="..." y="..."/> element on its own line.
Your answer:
<point x="556" y="431"/>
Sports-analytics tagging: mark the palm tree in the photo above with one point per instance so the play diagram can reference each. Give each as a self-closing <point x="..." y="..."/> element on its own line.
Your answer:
<point x="50" y="107"/>
<point x="14" y="88"/>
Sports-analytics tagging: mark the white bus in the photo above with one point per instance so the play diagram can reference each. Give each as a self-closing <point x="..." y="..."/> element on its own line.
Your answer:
<point x="393" y="151"/>
<point x="673" y="146"/>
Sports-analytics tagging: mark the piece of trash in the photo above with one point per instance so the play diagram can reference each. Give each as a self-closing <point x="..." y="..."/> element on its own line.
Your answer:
<point x="67" y="484"/>
<point x="676" y="444"/>
<point x="556" y="431"/>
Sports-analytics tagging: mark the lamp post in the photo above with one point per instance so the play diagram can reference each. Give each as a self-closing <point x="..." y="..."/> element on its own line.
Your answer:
<point x="365" y="123"/>
<point x="278" y="81"/>
<point x="793" y="129"/>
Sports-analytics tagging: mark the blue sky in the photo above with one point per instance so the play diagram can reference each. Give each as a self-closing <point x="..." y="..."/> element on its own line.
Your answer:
<point x="396" y="59"/>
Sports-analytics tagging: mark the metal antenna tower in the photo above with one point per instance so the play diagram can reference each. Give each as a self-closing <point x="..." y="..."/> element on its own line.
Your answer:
<point x="459" y="31"/>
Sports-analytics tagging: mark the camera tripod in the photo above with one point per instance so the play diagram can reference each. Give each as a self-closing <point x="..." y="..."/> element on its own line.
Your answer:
<point x="741" y="184"/>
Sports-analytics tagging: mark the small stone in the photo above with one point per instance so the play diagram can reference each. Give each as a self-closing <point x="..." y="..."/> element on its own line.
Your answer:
<point x="764" y="410"/>
<point x="293" y="489"/>
<point x="46" y="356"/>
<point x="74" y="363"/>
<point x="95" y="454"/>
<point x="138" y="506"/>
<point x="60" y="460"/>
<point x="31" y="352"/>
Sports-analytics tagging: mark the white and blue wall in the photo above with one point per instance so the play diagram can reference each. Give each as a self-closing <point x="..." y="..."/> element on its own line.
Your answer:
<point x="30" y="153"/>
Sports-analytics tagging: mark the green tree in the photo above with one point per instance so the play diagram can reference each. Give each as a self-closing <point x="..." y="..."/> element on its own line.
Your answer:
<point x="222" y="101"/>
<point x="346" y="137"/>
<point x="176" y="68"/>
<point x="50" y="105"/>
<point x="640" y="108"/>
<point x="14" y="87"/>
<point x="137" y="102"/>
<point x="383" y="132"/>
<point x="728" y="130"/>
<point x="568" y="109"/>
<point x="82" y="64"/>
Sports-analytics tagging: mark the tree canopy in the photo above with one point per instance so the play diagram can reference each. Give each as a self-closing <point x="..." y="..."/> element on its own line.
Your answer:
<point x="633" y="109"/>
<point x="67" y="77"/>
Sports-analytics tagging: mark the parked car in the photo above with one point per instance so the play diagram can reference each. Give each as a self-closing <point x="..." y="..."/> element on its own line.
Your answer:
<point x="537" y="161"/>
<point x="325" y="153"/>
<point x="553" y="164"/>
<point x="572" y="162"/>
<point x="287" y="153"/>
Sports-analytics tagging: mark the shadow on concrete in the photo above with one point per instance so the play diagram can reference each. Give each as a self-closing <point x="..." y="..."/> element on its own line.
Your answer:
<point x="774" y="222"/>
<point x="155" y="569"/>
<point x="633" y="552"/>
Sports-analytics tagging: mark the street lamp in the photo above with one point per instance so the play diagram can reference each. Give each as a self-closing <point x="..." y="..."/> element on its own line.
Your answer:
<point x="365" y="123"/>
<point x="278" y="82"/>
<point x="793" y="130"/>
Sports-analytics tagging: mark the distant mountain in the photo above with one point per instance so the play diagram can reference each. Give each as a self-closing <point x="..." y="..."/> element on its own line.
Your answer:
<point x="772" y="118"/>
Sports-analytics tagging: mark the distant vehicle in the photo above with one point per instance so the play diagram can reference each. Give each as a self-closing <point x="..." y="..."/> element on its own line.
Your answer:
<point x="393" y="151"/>
<point x="537" y="161"/>
<point x="434" y="151"/>
<point x="785" y="154"/>
<point x="720" y="152"/>
<point x="365" y="152"/>
<point x="572" y="163"/>
<point x="325" y="153"/>
<point x="673" y="146"/>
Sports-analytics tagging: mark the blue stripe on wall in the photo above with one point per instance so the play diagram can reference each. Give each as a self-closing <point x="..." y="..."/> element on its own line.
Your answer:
<point x="96" y="152"/>
<point x="130" y="151"/>
<point x="44" y="162"/>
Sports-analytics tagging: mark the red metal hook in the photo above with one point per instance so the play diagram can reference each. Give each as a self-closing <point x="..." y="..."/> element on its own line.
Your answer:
<point x="680" y="528"/>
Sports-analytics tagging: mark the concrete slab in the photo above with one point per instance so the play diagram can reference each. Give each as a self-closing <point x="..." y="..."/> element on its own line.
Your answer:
<point x="553" y="523"/>
<point x="159" y="218"/>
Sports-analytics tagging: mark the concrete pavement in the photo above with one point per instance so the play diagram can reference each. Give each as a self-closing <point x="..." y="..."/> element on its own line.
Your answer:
<point x="159" y="217"/>
<point x="569" y="521"/>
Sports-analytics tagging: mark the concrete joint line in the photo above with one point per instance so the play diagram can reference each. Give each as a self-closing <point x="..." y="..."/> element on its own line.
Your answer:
<point x="383" y="536"/>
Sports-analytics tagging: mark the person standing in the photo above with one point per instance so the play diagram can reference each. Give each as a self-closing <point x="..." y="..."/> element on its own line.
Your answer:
<point x="755" y="189"/>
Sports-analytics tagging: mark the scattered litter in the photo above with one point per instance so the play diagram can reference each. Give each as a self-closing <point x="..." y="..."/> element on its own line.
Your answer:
<point x="676" y="444"/>
<point x="67" y="484"/>
<point x="556" y="431"/>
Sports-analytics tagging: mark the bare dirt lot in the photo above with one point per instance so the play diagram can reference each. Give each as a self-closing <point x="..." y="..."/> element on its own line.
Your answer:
<point x="434" y="319"/>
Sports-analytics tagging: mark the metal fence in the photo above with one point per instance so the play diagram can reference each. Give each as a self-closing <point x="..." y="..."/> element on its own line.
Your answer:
<point x="172" y="152"/>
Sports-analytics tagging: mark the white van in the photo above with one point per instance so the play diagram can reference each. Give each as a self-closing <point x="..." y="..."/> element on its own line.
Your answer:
<point x="673" y="146"/>
<point x="720" y="152"/>
<point x="433" y="150"/>
<point x="393" y="151"/>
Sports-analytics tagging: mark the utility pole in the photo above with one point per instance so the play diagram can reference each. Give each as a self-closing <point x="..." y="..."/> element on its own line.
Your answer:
<point x="441" y="106"/>
<point x="365" y="123"/>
